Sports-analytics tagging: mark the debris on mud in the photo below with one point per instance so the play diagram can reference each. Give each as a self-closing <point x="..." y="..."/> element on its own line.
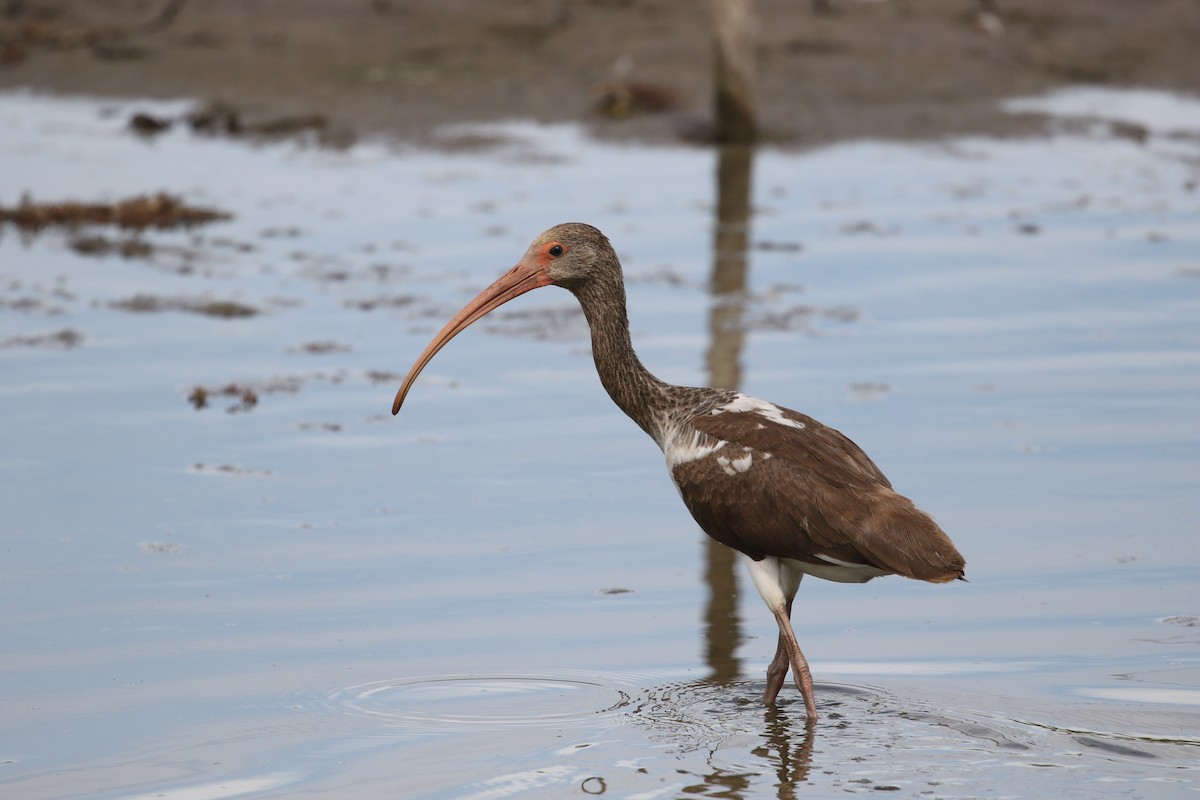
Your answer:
<point x="181" y="259"/>
<point x="625" y="99"/>
<point x="224" y="119"/>
<point x="36" y="298"/>
<point x="229" y="469"/>
<point x="246" y="397"/>
<point x="148" y="124"/>
<point x="381" y="301"/>
<point x="378" y="376"/>
<point x="64" y="339"/>
<point x="161" y="211"/>
<point x="147" y="303"/>
<point x="103" y="246"/>
<point x="321" y="348"/>
<point x="328" y="427"/>
<point x="246" y="394"/>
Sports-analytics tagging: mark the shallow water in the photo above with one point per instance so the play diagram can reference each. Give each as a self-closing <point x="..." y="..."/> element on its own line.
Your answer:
<point x="497" y="593"/>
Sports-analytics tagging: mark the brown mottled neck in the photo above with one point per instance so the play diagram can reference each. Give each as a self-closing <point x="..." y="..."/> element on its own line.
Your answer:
<point x="632" y="387"/>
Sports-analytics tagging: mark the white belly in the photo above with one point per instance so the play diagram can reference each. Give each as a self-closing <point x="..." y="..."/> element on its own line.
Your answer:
<point x="777" y="579"/>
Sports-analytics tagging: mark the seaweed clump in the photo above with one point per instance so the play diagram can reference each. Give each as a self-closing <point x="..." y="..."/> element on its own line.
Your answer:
<point x="160" y="211"/>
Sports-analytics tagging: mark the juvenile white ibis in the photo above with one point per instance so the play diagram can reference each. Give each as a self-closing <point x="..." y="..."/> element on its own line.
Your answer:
<point x="793" y="496"/>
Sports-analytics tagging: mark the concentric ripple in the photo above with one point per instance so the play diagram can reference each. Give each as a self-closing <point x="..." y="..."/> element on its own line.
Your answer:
<point x="458" y="703"/>
<point x="700" y="714"/>
<point x="696" y="710"/>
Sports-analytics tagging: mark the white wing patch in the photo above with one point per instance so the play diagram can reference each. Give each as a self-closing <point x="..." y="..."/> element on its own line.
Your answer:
<point x="683" y="449"/>
<point x="742" y="403"/>
<point x="732" y="466"/>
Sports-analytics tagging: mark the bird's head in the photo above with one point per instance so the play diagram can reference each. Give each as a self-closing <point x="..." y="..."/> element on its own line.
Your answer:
<point x="571" y="255"/>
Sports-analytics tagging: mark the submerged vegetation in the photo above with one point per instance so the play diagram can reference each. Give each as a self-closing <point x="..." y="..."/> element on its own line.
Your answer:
<point x="160" y="211"/>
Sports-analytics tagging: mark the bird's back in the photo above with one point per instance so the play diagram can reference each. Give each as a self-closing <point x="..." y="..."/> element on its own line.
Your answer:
<point x="770" y="481"/>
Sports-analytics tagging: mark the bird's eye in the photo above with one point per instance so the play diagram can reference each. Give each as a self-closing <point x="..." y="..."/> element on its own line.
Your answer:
<point x="556" y="250"/>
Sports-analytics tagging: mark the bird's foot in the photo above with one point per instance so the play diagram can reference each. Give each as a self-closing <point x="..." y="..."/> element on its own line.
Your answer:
<point x="806" y="688"/>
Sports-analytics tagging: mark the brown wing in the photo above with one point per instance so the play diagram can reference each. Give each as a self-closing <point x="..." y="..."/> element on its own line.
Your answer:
<point x="808" y="492"/>
<point x="805" y="442"/>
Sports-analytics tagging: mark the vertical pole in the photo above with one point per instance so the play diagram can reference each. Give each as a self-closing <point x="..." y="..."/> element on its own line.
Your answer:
<point x="733" y="62"/>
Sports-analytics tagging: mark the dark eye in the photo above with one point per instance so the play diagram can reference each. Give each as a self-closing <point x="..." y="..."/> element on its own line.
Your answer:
<point x="556" y="250"/>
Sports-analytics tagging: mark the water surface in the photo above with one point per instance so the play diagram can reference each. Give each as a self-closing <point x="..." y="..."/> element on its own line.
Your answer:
<point x="497" y="593"/>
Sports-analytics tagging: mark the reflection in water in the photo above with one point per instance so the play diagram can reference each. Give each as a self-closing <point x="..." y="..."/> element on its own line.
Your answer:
<point x="875" y="739"/>
<point x="744" y="744"/>
<point x="792" y="759"/>
<point x="299" y="645"/>
<point x="784" y="746"/>
<point x="728" y="284"/>
<point x="721" y="630"/>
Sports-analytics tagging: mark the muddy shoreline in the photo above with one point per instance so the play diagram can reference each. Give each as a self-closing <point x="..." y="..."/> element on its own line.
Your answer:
<point x="880" y="70"/>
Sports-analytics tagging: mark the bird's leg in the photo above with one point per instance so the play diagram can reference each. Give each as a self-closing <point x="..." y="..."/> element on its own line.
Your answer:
<point x="777" y="671"/>
<point x="800" y="671"/>
<point x="777" y="582"/>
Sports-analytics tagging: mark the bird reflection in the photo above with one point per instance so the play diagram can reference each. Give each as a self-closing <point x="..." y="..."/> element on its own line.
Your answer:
<point x="787" y="745"/>
<point x="788" y="748"/>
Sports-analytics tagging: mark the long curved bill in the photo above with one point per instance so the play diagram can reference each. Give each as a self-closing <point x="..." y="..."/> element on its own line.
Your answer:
<point x="522" y="278"/>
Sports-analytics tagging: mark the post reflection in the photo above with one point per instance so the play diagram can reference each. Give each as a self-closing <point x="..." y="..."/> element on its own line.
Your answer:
<point x="726" y="334"/>
<point x="787" y="741"/>
<point x="731" y="237"/>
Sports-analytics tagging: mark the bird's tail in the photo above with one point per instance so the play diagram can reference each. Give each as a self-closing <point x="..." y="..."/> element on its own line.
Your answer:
<point x="901" y="537"/>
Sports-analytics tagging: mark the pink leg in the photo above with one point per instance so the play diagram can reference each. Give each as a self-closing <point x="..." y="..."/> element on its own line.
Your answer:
<point x="800" y="671"/>
<point x="777" y="670"/>
<point x="776" y="673"/>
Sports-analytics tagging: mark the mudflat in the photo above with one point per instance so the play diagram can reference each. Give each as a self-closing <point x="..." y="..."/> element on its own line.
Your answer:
<point x="826" y="71"/>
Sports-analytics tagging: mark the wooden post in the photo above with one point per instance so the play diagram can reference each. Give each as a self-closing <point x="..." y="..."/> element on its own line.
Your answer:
<point x="733" y="61"/>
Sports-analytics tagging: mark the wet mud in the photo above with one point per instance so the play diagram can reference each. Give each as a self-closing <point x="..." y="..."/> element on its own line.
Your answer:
<point x="641" y="69"/>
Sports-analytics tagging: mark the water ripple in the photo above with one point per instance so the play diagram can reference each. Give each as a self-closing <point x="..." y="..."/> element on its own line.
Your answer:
<point x="461" y="703"/>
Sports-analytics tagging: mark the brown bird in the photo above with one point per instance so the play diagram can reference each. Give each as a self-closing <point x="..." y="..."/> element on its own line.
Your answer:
<point x="793" y="496"/>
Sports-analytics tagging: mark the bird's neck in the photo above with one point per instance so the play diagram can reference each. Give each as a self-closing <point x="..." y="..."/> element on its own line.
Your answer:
<point x="631" y="386"/>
